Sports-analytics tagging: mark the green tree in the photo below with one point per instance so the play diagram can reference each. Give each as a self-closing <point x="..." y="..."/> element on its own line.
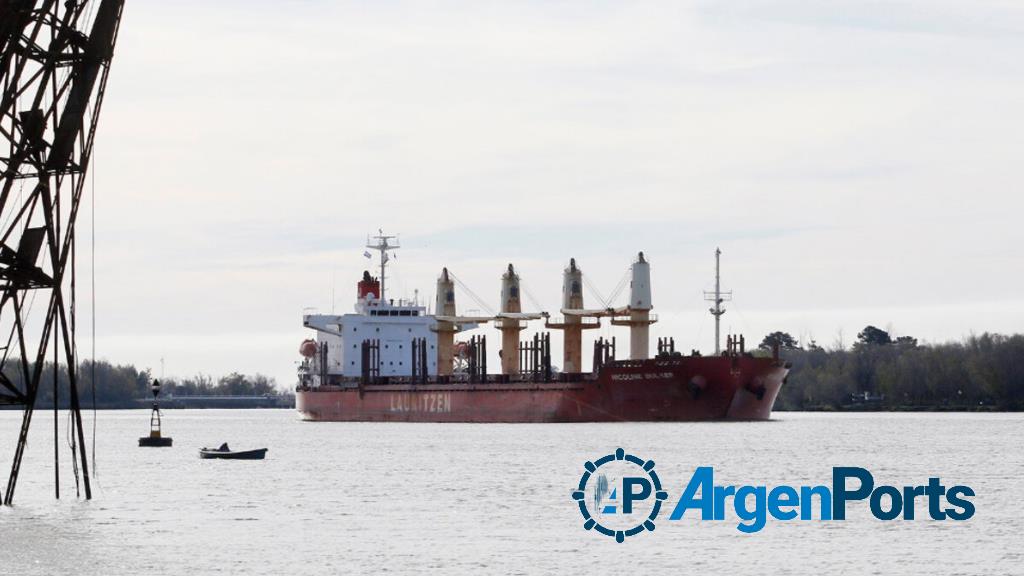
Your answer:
<point x="908" y="341"/>
<point x="872" y="336"/>
<point x="783" y="339"/>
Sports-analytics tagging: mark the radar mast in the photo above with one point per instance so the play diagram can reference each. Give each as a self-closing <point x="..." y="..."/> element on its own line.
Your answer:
<point x="718" y="297"/>
<point x="382" y="243"/>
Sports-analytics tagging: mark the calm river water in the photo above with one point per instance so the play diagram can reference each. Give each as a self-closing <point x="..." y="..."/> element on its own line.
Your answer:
<point x="339" y="498"/>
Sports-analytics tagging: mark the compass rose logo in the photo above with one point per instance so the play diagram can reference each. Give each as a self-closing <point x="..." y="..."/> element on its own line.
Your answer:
<point x="619" y="495"/>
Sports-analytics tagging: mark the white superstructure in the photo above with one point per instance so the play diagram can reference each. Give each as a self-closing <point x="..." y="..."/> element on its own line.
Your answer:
<point x="392" y="329"/>
<point x="394" y="326"/>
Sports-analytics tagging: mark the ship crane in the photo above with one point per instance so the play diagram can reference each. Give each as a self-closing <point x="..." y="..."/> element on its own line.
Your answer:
<point x="575" y="319"/>
<point x="638" y="311"/>
<point x="636" y="315"/>
<point x="510" y="320"/>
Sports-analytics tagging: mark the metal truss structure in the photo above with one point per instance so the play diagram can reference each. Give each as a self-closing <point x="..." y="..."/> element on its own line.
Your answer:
<point x="54" y="61"/>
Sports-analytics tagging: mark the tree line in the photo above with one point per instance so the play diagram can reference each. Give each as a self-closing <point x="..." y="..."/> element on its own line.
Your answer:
<point x="880" y="372"/>
<point x="122" y="385"/>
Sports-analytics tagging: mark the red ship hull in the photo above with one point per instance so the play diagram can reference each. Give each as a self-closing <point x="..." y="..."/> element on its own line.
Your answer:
<point x="661" y="389"/>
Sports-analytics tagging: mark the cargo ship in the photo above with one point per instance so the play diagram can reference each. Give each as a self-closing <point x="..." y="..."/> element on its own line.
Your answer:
<point x="392" y="360"/>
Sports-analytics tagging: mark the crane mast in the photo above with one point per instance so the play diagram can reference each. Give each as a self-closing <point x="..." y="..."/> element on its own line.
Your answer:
<point x="54" y="63"/>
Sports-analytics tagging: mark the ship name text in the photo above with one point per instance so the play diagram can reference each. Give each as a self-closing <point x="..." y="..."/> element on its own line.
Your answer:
<point x="641" y="376"/>
<point x="421" y="402"/>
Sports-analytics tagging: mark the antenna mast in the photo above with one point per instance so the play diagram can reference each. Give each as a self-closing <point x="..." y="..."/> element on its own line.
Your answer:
<point x="382" y="245"/>
<point x="718" y="297"/>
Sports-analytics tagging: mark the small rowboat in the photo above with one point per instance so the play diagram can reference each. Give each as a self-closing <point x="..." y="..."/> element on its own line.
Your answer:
<point x="225" y="453"/>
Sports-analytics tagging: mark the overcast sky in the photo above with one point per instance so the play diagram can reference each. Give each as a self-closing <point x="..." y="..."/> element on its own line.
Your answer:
<point x="858" y="162"/>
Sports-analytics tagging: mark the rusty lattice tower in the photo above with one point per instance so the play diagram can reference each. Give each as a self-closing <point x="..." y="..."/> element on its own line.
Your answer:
<point x="54" y="60"/>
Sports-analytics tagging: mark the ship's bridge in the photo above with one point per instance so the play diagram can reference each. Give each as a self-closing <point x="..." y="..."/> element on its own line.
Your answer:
<point x="374" y="307"/>
<point x="393" y="327"/>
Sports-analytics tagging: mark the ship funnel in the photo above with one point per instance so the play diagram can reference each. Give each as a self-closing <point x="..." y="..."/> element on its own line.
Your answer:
<point x="445" y="306"/>
<point x="369" y="287"/>
<point x="510" y="328"/>
<point x="639" y="310"/>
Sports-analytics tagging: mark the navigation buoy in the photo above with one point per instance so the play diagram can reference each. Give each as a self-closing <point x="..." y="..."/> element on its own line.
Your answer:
<point x="154" y="438"/>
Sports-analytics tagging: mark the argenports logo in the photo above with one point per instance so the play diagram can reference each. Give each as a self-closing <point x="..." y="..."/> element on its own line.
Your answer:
<point x="621" y="495"/>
